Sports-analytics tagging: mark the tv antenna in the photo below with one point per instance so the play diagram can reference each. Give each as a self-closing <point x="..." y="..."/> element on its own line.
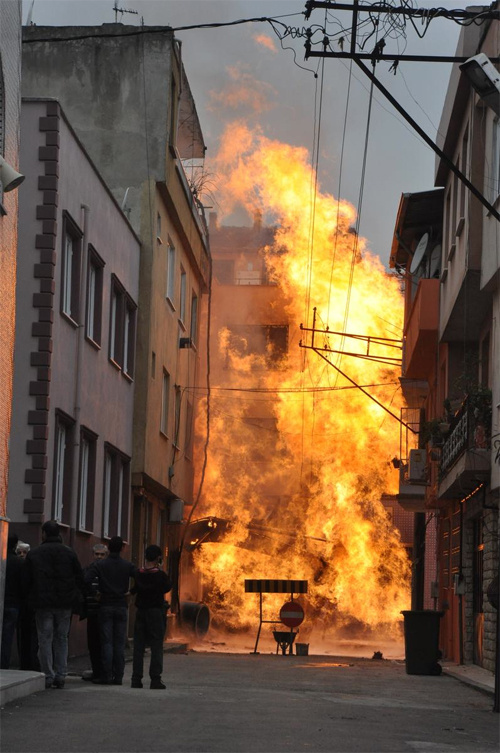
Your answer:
<point x="122" y="11"/>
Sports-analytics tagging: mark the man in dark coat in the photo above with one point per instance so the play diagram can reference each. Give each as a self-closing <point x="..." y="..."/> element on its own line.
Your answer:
<point x="92" y="598"/>
<point x="151" y="585"/>
<point x="12" y="599"/>
<point x="113" y="576"/>
<point x="54" y="584"/>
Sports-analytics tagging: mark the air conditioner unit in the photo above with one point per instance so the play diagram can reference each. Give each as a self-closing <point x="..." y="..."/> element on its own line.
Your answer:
<point x="417" y="470"/>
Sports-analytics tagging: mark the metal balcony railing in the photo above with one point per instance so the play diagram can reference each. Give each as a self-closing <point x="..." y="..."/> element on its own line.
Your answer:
<point x="471" y="429"/>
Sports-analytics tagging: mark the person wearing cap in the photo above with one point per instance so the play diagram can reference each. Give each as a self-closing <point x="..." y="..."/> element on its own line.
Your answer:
<point x="151" y="585"/>
<point x="112" y="576"/>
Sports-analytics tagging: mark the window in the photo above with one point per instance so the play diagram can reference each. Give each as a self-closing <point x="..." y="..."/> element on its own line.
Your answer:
<point x="62" y="468"/>
<point x="94" y="296"/>
<point x="182" y="307"/>
<point x="465" y="169"/>
<point x="71" y="255"/>
<point x="86" y="481"/>
<point x="2" y="127"/>
<point x="269" y="340"/>
<point x="495" y="177"/>
<point x="115" y="493"/>
<point x="170" y="293"/>
<point x="165" y="395"/>
<point x="224" y="271"/>
<point x="194" y="320"/>
<point x="178" y="403"/>
<point x="122" y="328"/>
<point x="188" y="443"/>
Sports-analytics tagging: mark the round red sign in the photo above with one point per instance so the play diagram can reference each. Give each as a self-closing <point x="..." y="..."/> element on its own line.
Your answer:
<point x="291" y="614"/>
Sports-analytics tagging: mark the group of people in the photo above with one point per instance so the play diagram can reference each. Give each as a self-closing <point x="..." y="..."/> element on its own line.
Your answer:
<point x="51" y="582"/>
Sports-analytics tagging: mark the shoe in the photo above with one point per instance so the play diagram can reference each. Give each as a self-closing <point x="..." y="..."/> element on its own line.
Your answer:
<point x="48" y="682"/>
<point x="157" y="685"/>
<point x="87" y="675"/>
<point x="136" y="684"/>
<point x="58" y="683"/>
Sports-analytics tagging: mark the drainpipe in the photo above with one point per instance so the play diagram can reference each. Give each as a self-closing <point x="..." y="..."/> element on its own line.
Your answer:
<point x="80" y="336"/>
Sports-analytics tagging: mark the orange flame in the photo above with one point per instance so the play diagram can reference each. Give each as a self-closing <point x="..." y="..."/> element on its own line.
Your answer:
<point x="298" y="459"/>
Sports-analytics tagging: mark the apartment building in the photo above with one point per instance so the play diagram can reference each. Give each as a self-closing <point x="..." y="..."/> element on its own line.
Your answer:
<point x="127" y="94"/>
<point x="452" y="346"/>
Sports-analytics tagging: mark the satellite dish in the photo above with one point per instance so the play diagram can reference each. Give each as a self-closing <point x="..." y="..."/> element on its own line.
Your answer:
<point x="419" y="253"/>
<point x="435" y="261"/>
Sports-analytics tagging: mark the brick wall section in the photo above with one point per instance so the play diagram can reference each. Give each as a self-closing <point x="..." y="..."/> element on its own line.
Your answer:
<point x="490" y="570"/>
<point x="43" y="308"/>
<point x="10" y="62"/>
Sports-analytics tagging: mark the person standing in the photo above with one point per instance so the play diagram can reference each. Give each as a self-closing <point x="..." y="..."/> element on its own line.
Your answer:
<point x="53" y="581"/>
<point x="92" y="603"/>
<point x="27" y="640"/>
<point x="12" y="599"/>
<point x="113" y="576"/>
<point x="151" y="584"/>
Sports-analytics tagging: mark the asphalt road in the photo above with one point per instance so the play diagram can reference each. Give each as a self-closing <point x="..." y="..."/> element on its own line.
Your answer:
<point x="262" y="703"/>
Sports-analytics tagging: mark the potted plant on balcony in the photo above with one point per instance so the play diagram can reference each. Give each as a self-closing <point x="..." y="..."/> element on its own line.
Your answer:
<point x="479" y="405"/>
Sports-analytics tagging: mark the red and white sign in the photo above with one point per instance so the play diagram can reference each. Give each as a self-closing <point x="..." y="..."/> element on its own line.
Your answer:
<point x="291" y="614"/>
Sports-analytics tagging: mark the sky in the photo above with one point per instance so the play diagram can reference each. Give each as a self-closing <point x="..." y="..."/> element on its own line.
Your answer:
<point x="293" y="105"/>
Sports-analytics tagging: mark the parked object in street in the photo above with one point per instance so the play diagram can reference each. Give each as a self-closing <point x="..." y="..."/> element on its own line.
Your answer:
<point x="422" y="652"/>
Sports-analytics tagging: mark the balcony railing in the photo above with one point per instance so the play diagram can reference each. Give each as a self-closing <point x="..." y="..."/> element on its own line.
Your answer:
<point x="471" y="429"/>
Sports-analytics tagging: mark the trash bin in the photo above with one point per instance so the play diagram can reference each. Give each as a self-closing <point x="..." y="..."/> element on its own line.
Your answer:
<point x="302" y="649"/>
<point x="422" y="652"/>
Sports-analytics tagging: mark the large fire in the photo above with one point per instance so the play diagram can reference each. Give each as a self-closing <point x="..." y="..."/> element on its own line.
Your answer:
<point x="298" y="458"/>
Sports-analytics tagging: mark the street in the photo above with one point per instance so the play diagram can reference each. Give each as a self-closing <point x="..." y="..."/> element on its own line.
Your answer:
<point x="263" y="703"/>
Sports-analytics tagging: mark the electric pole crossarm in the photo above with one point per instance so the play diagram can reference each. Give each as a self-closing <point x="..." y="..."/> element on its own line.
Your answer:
<point x="381" y="405"/>
<point x="449" y="163"/>
<point x="382" y="56"/>
<point x="456" y="14"/>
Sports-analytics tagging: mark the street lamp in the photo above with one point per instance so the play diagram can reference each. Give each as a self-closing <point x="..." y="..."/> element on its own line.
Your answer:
<point x="484" y="78"/>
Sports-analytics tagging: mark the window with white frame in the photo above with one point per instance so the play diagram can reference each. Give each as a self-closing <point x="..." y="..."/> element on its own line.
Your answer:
<point x="86" y="480"/>
<point x="116" y="493"/>
<point x="194" y="320"/>
<point x="61" y="484"/>
<point x="182" y="305"/>
<point x="94" y="296"/>
<point x="170" y="291"/>
<point x="71" y="255"/>
<point x="165" y="397"/>
<point x="122" y="322"/>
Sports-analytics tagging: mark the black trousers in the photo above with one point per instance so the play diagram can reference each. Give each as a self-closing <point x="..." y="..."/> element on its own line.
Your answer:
<point x="94" y="642"/>
<point x="149" y="630"/>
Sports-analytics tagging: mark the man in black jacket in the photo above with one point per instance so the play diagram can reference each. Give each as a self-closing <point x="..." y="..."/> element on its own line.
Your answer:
<point x="53" y="581"/>
<point x="151" y="584"/>
<point x="113" y="576"/>
<point x="12" y="598"/>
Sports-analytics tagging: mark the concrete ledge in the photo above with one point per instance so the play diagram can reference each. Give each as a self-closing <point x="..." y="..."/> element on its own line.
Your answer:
<point x="472" y="675"/>
<point x="16" y="684"/>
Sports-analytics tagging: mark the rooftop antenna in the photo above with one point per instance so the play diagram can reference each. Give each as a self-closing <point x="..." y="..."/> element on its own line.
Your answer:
<point x="122" y="11"/>
<point x="29" y="20"/>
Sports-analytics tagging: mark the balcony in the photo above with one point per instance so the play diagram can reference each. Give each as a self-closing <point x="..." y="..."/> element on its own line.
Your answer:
<point x="421" y="330"/>
<point x="466" y="451"/>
